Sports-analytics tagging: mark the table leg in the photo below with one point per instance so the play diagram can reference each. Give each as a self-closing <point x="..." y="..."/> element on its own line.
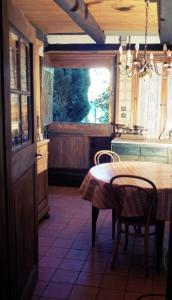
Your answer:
<point x="159" y="243"/>
<point x="169" y="266"/>
<point x="95" y="213"/>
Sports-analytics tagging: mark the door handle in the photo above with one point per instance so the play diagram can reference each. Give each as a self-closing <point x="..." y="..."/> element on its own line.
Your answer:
<point x="38" y="155"/>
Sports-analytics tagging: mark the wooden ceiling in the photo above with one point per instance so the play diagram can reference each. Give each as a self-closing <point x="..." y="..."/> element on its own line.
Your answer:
<point x="113" y="16"/>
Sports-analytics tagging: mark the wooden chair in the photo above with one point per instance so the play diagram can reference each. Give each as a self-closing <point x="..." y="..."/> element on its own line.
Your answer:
<point x="138" y="189"/>
<point x="95" y="211"/>
<point x="112" y="155"/>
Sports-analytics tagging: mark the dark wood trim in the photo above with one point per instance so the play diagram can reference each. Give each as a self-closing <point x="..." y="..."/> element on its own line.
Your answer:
<point x="4" y="263"/>
<point x="21" y="23"/>
<point x="101" y="47"/>
<point x="165" y="21"/>
<point x="80" y="14"/>
<point x="7" y="144"/>
<point x="40" y="35"/>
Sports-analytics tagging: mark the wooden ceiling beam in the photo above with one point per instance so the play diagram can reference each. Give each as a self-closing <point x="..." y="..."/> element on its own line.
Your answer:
<point x="80" y="14"/>
<point x="165" y="21"/>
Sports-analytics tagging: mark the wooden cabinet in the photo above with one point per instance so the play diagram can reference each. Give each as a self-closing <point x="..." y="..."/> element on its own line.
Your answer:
<point x="42" y="179"/>
<point x="145" y="150"/>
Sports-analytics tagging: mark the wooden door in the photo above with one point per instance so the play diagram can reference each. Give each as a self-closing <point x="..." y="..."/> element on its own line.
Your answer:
<point x="3" y="217"/>
<point x="19" y="165"/>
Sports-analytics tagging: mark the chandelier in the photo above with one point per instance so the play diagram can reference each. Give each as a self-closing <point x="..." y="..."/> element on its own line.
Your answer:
<point x="143" y="63"/>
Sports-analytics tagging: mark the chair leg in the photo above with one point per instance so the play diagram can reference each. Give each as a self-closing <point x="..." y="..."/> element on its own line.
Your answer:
<point x="113" y="223"/>
<point x="126" y="237"/>
<point x="95" y="213"/>
<point x="146" y="251"/>
<point x="159" y="243"/>
<point x="116" y="245"/>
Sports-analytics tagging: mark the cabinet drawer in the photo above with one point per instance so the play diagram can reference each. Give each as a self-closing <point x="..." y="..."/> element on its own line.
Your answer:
<point x="42" y="149"/>
<point x="151" y="151"/>
<point x="126" y="150"/>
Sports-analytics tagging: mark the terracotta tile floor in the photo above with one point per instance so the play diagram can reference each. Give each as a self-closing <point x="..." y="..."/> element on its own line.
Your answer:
<point x="70" y="269"/>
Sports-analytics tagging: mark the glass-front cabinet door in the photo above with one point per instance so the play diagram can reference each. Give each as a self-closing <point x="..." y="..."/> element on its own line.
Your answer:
<point x="20" y="90"/>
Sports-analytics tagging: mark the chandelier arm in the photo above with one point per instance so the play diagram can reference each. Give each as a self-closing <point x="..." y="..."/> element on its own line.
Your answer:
<point x="162" y="74"/>
<point x="146" y="28"/>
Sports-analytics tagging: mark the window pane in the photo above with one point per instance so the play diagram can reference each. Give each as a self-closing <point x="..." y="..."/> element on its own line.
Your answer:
<point x="14" y="65"/>
<point x="25" y="120"/>
<point x="24" y="67"/>
<point x="15" y="120"/>
<point x="168" y="127"/>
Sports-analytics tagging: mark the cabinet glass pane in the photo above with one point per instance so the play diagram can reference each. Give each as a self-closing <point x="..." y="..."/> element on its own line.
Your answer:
<point x="25" y="119"/>
<point x="24" y="68"/>
<point x="14" y="60"/>
<point x="15" y="120"/>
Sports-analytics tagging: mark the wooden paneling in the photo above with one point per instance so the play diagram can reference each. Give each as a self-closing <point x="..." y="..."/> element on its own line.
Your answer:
<point x="110" y="15"/>
<point x="22" y="160"/>
<point x="42" y="179"/>
<point x="72" y="146"/>
<point x="78" y="59"/>
<point x="69" y="151"/>
<point x="25" y="229"/>
<point x="80" y="129"/>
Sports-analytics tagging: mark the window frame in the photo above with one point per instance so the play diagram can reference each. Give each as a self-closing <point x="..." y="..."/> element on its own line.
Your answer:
<point x="20" y="91"/>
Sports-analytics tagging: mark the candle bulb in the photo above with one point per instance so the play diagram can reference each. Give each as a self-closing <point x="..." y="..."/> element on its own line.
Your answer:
<point x="120" y="53"/>
<point x="136" y="50"/>
<point x="151" y="56"/>
<point x="128" y="57"/>
<point x="169" y="53"/>
<point x="165" y="48"/>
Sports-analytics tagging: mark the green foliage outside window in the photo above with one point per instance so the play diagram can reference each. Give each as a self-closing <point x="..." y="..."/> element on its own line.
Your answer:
<point x="70" y="96"/>
<point x="102" y="102"/>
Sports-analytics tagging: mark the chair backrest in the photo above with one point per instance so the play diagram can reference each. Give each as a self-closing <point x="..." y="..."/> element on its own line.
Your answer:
<point x="134" y="196"/>
<point x="113" y="156"/>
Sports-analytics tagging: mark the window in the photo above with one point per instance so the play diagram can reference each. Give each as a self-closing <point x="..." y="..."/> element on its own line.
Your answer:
<point x="81" y="95"/>
<point x="147" y="103"/>
<point x="20" y="88"/>
<point x="89" y="75"/>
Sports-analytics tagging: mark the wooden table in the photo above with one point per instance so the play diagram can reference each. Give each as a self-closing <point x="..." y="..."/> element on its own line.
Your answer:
<point x="96" y="188"/>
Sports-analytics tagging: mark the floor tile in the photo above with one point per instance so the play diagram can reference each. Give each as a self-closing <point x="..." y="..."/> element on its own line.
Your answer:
<point x="71" y="264"/>
<point x="110" y="295"/>
<point x="57" y="290"/>
<point x="139" y="285"/>
<point x="51" y="262"/>
<point x="77" y="254"/>
<point x="40" y="286"/>
<point x="65" y="276"/>
<point x="83" y="293"/>
<point x="45" y="274"/>
<point x="89" y="279"/>
<point x="114" y="282"/>
<point x="57" y="252"/>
